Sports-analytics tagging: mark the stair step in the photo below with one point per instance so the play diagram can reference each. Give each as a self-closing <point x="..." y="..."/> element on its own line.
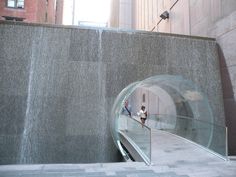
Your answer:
<point x="167" y="174"/>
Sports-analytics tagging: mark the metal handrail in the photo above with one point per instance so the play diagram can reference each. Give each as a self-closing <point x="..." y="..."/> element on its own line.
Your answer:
<point x="189" y="118"/>
<point x="211" y="124"/>
<point x="140" y="123"/>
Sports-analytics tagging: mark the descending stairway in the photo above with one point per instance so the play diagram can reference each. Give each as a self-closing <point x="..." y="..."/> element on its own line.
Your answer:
<point x="129" y="169"/>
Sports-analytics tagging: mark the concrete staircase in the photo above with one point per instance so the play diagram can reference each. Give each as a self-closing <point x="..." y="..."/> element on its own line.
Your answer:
<point x="130" y="169"/>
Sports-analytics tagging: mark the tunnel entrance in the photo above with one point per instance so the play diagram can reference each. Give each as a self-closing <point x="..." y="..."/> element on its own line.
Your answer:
<point x="174" y="104"/>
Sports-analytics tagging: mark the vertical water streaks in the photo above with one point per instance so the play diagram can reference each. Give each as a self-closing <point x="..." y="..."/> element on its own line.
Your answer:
<point x="27" y="125"/>
<point x="28" y="147"/>
<point x="101" y="95"/>
<point x="100" y="62"/>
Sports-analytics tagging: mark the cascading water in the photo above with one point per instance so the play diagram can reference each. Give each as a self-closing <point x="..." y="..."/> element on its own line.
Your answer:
<point x="25" y="147"/>
<point x="28" y="152"/>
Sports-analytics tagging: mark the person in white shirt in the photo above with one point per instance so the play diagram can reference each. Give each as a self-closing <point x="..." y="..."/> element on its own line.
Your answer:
<point x="143" y="114"/>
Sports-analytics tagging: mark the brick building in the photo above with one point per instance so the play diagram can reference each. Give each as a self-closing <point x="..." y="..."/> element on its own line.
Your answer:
<point x="39" y="11"/>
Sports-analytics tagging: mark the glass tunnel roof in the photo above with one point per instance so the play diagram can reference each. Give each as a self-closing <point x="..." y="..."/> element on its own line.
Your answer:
<point x="189" y="101"/>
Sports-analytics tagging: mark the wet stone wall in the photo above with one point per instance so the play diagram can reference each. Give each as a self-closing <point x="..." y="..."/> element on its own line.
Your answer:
<point x="58" y="84"/>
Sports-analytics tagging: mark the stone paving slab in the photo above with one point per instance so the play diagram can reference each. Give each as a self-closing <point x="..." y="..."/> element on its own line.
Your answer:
<point x="189" y="159"/>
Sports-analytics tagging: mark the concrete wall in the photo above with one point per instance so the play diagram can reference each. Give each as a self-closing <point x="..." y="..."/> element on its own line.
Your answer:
<point x="57" y="86"/>
<point x="52" y="90"/>
<point x="125" y="14"/>
<point x="134" y="14"/>
<point x="146" y="14"/>
<point x="59" y="11"/>
<point x="224" y="29"/>
<point x="114" y="14"/>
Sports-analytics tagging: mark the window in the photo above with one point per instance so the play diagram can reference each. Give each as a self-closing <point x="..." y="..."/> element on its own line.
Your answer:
<point x="15" y="3"/>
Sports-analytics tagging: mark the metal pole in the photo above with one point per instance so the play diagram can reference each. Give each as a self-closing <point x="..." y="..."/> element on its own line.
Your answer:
<point x="226" y="142"/>
<point x="73" y="12"/>
<point x="150" y="146"/>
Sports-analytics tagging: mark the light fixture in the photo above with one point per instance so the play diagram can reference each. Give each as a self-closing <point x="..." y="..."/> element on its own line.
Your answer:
<point x="164" y="15"/>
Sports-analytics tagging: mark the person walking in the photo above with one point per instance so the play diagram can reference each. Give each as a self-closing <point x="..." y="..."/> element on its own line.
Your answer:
<point x="125" y="114"/>
<point x="143" y="115"/>
<point x="126" y="110"/>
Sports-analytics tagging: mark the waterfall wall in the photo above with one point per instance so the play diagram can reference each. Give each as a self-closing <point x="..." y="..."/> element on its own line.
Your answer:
<point x="58" y="84"/>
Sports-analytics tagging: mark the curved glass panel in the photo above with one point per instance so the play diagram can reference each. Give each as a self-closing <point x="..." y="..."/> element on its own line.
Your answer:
<point x="193" y="130"/>
<point x="116" y="112"/>
<point x="187" y="101"/>
<point x="138" y="135"/>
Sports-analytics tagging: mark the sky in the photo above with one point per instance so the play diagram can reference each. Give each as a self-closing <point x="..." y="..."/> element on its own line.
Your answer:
<point x="93" y="11"/>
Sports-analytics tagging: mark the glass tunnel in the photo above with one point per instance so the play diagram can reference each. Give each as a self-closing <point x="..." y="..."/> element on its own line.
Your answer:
<point x="175" y="105"/>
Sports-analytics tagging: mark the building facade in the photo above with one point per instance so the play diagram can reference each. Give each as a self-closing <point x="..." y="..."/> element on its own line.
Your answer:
<point x="207" y="18"/>
<point x="37" y="11"/>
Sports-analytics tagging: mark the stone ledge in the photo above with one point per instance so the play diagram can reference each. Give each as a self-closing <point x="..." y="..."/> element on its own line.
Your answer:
<point x="105" y="29"/>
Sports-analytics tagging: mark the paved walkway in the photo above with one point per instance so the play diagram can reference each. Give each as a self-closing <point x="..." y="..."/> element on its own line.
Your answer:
<point x="183" y="157"/>
<point x="171" y="156"/>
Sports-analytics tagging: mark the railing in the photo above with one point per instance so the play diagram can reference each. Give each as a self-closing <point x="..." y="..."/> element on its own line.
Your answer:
<point x="209" y="135"/>
<point x="138" y="135"/>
